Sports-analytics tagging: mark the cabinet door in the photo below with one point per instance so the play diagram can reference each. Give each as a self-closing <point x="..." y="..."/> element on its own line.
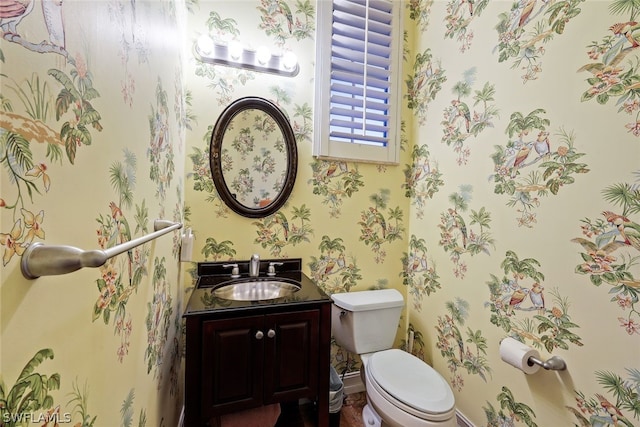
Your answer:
<point x="232" y="364"/>
<point x="291" y="356"/>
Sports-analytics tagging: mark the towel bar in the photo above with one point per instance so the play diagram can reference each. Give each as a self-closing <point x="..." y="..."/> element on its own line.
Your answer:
<point x="42" y="260"/>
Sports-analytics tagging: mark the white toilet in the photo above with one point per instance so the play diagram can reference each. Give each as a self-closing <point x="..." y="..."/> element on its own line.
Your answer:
<point x="402" y="390"/>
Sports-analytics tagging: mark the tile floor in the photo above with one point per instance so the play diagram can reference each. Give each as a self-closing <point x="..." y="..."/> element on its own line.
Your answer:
<point x="295" y="415"/>
<point x="351" y="413"/>
<point x="304" y="416"/>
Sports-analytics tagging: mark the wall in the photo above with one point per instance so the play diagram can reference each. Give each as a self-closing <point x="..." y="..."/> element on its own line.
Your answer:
<point x="463" y="229"/>
<point x="473" y="219"/>
<point x="546" y="251"/>
<point x="91" y="153"/>
<point x="346" y="221"/>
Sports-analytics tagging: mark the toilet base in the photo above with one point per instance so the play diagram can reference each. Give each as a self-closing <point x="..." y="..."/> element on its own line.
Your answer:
<point x="371" y="417"/>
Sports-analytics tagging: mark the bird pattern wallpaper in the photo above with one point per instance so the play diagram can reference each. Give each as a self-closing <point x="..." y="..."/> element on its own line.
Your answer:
<point x="458" y="120"/>
<point x="514" y="175"/>
<point x="65" y="174"/>
<point x="542" y="156"/>
<point x="513" y="212"/>
<point x="459" y="239"/>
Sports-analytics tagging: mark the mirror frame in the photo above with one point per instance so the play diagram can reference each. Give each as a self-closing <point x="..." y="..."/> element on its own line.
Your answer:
<point x="215" y="155"/>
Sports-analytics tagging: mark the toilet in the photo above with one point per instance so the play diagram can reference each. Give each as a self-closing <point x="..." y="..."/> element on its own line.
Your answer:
<point x="402" y="390"/>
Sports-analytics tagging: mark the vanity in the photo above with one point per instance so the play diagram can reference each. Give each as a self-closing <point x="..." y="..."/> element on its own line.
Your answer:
<point x="258" y="332"/>
<point x="255" y="339"/>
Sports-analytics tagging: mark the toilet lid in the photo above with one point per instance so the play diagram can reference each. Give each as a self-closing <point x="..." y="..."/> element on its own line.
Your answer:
<point x="411" y="381"/>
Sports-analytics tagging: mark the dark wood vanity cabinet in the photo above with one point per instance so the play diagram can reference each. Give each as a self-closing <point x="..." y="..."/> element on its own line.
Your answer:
<point x="250" y="361"/>
<point x="255" y="357"/>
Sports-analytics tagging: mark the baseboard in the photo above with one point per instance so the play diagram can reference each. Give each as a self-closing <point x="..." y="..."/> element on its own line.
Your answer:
<point x="181" y="419"/>
<point x="353" y="384"/>
<point x="462" y="420"/>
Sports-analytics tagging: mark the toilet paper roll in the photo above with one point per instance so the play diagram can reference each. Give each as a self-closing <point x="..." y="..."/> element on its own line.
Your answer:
<point x="517" y="355"/>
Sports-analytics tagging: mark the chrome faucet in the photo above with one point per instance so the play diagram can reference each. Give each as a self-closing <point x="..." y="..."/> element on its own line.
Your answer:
<point x="254" y="266"/>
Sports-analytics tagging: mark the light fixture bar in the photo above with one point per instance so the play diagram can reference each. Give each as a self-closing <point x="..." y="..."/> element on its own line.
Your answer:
<point x="220" y="54"/>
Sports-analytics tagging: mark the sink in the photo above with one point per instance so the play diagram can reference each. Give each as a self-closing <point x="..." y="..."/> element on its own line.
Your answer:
<point x="256" y="289"/>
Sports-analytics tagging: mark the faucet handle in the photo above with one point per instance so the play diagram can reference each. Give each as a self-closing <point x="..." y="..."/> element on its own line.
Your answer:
<point x="235" y="272"/>
<point x="271" y="271"/>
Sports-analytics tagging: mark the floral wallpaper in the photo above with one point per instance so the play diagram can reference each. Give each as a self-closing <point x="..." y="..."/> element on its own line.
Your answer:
<point x="513" y="211"/>
<point x="90" y="143"/>
<point x="528" y="177"/>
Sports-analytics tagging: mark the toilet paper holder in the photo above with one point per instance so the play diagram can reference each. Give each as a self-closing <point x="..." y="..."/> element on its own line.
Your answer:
<point x="554" y="363"/>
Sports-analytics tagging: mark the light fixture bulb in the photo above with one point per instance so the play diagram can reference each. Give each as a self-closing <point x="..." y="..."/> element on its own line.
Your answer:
<point x="205" y="44"/>
<point x="263" y="55"/>
<point x="289" y="60"/>
<point x="235" y="50"/>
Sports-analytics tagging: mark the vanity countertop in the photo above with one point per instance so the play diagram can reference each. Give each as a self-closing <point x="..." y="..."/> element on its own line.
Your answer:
<point x="211" y="274"/>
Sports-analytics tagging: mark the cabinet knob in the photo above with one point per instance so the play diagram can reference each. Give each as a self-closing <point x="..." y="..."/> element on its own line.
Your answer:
<point x="259" y="335"/>
<point x="271" y="333"/>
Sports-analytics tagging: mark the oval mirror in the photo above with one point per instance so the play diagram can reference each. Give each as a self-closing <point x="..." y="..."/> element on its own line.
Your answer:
<point x="253" y="157"/>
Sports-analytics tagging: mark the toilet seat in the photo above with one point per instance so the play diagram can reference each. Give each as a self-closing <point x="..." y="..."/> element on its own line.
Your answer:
<point x="410" y="384"/>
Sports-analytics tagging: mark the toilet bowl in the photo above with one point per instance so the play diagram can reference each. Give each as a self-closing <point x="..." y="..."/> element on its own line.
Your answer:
<point x="402" y="390"/>
<point x="406" y="392"/>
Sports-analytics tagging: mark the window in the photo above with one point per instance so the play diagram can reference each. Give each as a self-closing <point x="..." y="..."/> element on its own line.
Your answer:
<point x="357" y="105"/>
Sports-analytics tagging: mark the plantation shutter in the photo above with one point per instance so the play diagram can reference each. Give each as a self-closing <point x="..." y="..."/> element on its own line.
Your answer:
<point x="360" y="76"/>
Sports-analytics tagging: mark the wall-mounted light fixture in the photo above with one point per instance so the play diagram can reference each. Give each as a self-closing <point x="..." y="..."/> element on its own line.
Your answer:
<point x="233" y="54"/>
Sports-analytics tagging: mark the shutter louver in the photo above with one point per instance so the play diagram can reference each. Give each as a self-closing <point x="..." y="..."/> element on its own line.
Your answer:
<point x="361" y="52"/>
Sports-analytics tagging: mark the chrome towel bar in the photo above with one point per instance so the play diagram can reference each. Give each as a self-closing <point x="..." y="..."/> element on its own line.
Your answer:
<point x="49" y="260"/>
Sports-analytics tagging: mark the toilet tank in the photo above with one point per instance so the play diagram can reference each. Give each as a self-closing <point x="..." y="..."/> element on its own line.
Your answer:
<point x="366" y="321"/>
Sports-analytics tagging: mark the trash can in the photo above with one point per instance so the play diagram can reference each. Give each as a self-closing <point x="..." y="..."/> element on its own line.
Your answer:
<point x="335" y="397"/>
